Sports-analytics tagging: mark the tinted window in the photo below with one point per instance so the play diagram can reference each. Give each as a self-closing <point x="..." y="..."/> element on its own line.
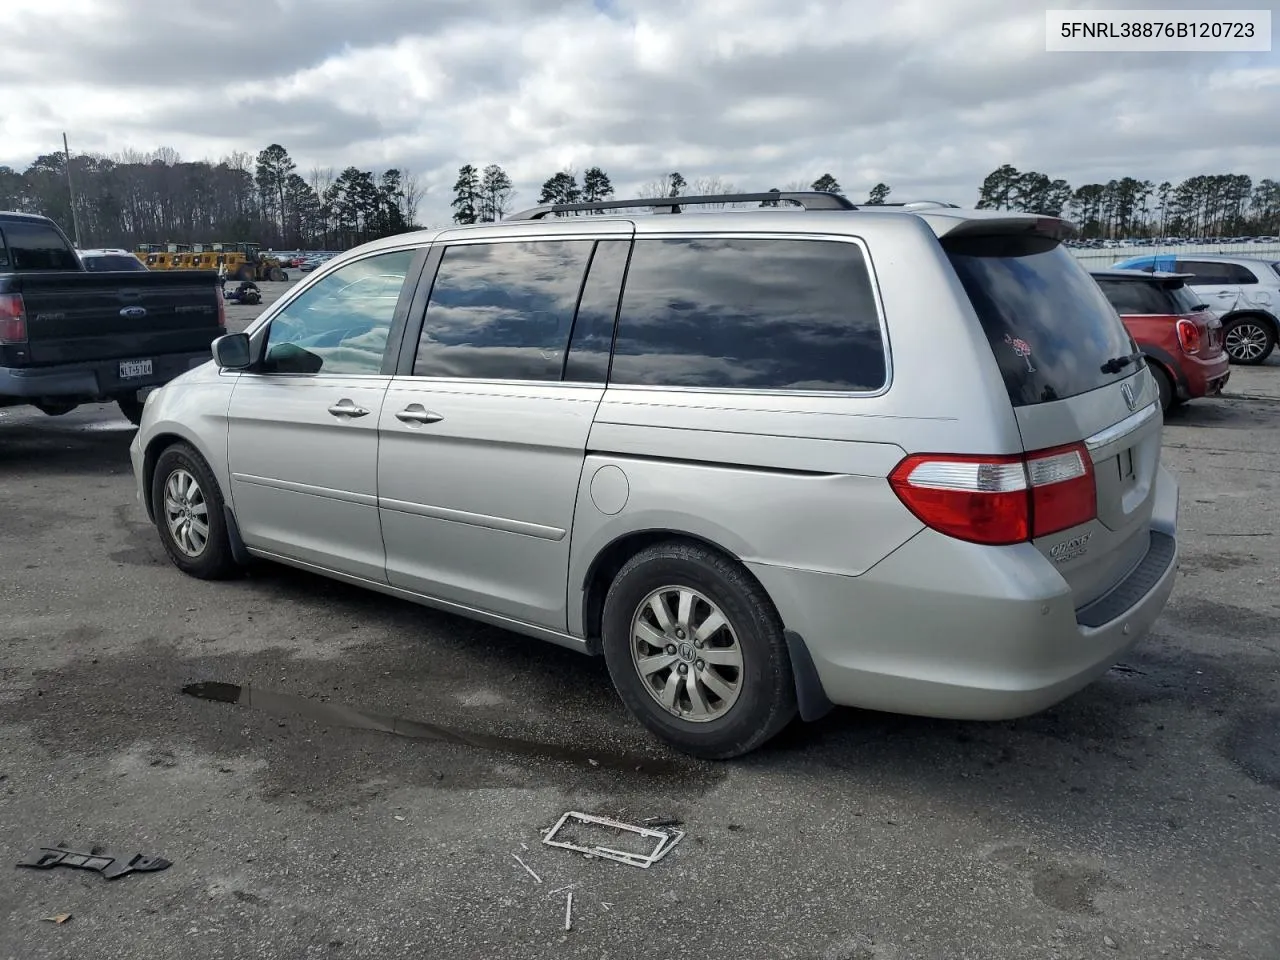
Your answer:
<point x="1186" y="300"/>
<point x="32" y="245"/>
<point x="502" y="311"/>
<point x="1049" y="326"/>
<point x="1131" y="297"/>
<point x="1240" y="274"/>
<point x="588" y="360"/>
<point x="757" y="314"/>
<point x="1206" y="272"/>
<point x="112" y="262"/>
<point x="341" y="324"/>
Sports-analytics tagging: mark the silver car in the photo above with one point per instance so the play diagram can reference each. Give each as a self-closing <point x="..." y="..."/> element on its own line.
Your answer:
<point x="763" y="461"/>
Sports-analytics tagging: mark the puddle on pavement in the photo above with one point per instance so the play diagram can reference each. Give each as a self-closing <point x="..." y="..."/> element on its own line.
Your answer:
<point x="342" y="715"/>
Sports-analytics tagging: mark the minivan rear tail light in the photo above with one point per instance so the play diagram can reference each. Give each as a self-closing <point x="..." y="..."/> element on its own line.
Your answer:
<point x="13" y="318"/>
<point x="1188" y="336"/>
<point x="999" y="500"/>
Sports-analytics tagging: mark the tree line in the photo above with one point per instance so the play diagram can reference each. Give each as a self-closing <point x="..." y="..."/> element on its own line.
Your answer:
<point x="158" y="197"/>
<point x="485" y="196"/>
<point x="1215" y="205"/>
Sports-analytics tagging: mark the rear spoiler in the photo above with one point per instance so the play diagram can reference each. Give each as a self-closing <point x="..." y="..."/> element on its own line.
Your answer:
<point x="977" y="223"/>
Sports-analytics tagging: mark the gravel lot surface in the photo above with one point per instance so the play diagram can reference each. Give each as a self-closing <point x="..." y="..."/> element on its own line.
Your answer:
<point x="1139" y="819"/>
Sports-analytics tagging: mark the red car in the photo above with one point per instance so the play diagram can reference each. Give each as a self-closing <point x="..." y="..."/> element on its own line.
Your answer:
<point x="1180" y="338"/>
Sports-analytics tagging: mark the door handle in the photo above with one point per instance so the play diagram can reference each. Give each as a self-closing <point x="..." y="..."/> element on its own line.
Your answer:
<point x="417" y="413"/>
<point x="345" y="408"/>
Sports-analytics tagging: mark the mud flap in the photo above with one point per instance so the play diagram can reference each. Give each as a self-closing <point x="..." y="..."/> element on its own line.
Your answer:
<point x="810" y="697"/>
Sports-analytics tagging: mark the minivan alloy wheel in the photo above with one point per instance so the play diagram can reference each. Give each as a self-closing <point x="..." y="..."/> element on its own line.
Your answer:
<point x="186" y="512"/>
<point x="1246" y="341"/>
<point x="686" y="653"/>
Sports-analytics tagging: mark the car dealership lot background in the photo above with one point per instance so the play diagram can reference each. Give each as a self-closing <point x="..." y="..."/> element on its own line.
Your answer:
<point x="1138" y="819"/>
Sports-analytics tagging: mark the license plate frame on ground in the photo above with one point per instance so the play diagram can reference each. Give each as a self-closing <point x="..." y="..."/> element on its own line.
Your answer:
<point x="133" y="369"/>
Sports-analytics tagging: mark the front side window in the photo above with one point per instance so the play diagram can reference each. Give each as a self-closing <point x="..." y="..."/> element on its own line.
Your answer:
<point x="341" y="324"/>
<point x="762" y="314"/>
<point x="502" y="311"/>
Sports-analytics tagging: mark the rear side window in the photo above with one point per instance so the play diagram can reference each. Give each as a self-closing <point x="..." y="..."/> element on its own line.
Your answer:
<point x="1135" y="297"/>
<point x="1208" y="272"/>
<point x="1050" y="327"/>
<point x="751" y="314"/>
<point x="34" y="246"/>
<point x="502" y="311"/>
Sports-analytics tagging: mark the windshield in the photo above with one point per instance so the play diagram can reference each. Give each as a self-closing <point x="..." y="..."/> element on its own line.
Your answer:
<point x="34" y="245"/>
<point x="112" y="263"/>
<point x="1051" y="329"/>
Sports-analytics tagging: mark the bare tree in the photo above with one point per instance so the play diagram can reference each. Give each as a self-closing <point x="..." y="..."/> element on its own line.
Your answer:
<point x="411" y="196"/>
<point x="710" y="187"/>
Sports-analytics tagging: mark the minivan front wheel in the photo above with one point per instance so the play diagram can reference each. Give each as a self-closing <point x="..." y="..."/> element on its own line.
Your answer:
<point x="697" y="652"/>
<point x="187" y="507"/>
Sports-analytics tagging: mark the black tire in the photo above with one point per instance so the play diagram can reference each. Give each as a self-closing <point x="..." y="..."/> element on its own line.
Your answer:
<point x="276" y="275"/>
<point x="215" y="561"/>
<point x="131" y="407"/>
<point x="765" y="698"/>
<point x="1248" y="340"/>
<point x="55" y="409"/>
<point x="1165" y="385"/>
<point x="243" y="272"/>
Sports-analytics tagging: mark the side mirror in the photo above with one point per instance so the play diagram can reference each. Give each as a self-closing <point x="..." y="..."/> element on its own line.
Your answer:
<point x="231" y="352"/>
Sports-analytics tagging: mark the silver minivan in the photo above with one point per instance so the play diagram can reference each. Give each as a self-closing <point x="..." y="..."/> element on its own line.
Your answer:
<point x="764" y="461"/>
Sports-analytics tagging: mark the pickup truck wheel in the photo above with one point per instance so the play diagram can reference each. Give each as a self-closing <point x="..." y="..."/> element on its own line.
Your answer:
<point x="187" y="506"/>
<point x="697" y="652"/>
<point x="131" y="407"/>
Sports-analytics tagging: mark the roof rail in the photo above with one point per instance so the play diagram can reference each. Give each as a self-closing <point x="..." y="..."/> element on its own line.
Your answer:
<point x="810" y="200"/>
<point x="920" y="204"/>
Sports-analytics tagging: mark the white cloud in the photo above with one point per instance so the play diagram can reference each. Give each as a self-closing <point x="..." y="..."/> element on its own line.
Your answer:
<point x="924" y="95"/>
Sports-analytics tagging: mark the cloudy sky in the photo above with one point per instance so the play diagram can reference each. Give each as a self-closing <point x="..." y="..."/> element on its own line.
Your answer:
<point x="925" y="95"/>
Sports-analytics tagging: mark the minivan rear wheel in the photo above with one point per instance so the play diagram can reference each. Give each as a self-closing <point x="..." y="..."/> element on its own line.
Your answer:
<point x="697" y="652"/>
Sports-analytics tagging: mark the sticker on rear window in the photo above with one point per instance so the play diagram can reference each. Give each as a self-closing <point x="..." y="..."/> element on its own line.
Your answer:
<point x="1022" y="349"/>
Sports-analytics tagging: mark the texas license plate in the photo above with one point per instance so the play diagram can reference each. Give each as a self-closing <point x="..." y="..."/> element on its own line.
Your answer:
<point x="130" y="369"/>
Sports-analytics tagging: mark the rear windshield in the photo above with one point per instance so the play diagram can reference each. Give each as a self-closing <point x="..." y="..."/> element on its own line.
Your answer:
<point x="1049" y="326"/>
<point x="112" y="262"/>
<point x="1186" y="300"/>
<point x="34" y="246"/>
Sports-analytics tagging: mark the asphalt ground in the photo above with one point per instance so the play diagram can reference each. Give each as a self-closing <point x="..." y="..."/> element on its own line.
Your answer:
<point x="1138" y="819"/>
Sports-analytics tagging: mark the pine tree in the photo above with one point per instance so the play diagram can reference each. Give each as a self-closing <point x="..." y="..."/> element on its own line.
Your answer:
<point x="466" y="195"/>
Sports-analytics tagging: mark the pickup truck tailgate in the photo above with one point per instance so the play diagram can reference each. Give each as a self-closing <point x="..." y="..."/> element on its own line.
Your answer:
<point x="93" y="316"/>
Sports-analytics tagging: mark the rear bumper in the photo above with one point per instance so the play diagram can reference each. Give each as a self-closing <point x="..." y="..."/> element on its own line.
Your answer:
<point x="1203" y="378"/>
<point x="95" y="379"/>
<point x="950" y="629"/>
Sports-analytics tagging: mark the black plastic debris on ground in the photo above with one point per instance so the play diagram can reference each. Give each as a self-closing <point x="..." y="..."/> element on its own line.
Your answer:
<point x="97" y="860"/>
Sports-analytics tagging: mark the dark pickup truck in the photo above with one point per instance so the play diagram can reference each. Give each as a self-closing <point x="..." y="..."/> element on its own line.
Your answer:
<point x="70" y="336"/>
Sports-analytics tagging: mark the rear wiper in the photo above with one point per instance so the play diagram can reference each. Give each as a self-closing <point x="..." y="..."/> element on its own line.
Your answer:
<point x="1116" y="364"/>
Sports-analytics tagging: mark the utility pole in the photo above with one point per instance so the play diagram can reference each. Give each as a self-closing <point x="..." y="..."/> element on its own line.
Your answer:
<point x="75" y="221"/>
